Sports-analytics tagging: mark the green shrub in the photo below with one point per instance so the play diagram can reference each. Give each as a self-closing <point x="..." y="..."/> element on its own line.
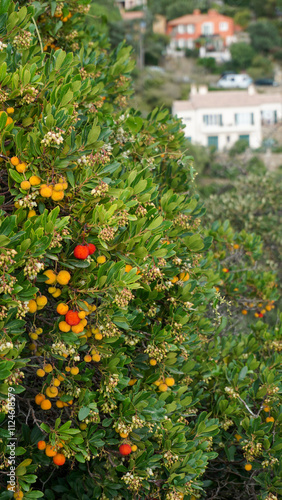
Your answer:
<point x="110" y="328"/>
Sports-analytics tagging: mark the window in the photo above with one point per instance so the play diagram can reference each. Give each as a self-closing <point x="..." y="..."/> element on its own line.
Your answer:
<point x="181" y="43"/>
<point x="245" y="138"/>
<point x="213" y="141"/>
<point x="223" y="26"/>
<point x="212" y="120"/>
<point x="207" y="29"/>
<point x="181" y="29"/>
<point x="190" y="29"/>
<point x="244" y="118"/>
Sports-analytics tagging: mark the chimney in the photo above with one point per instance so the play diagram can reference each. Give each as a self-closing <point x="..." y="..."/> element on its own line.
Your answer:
<point x="252" y="90"/>
<point x="196" y="12"/>
<point x="203" y="89"/>
<point x="193" y="90"/>
<point x="212" y="12"/>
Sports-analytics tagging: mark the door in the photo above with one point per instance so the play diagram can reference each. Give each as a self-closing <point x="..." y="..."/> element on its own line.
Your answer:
<point x="245" y="138"/>
<point x="213" y="141"/>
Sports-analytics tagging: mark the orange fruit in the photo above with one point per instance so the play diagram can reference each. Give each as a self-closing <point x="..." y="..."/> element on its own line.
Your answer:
<point x="15" y="161"/>
<point x="50" y="451"/>
<point x="96" y="357"/>
<point x="248" y="467"/>
<point x="74" y="370"/>
<point x="40" y="372"/>
<point x="153" y="362"/>
<point x="41" y="445"/>
<point x="46" y="404"/>
<point x="128" y="268"/>
<point x="60" y="404"/>
<point x="52" y="278"/>
<point x="62" y="308"/>
<point x="163" y="387"/>
<point x="184" y="276"/>
<point x="46" y="192"/>
<point x="39" y="398"/>
<point x="87" y="358"/>
<point x="59" y="459"/>
<point x="34" y="180"/>
<point x="21" y="168"/>
<point x="32" y="306"/>
<point x="64" y="327"/>
<point x="57" y="195"/>
<point x="63" y="277"/>
<point x="169" y="381"/>
<point x="48" y="368"/>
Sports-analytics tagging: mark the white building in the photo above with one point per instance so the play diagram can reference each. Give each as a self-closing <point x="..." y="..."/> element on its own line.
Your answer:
<point x="131" y="4"/>
<point x="220" y="118"/>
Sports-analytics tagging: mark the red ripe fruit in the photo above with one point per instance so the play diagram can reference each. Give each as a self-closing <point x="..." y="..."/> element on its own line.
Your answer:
<point x="81" y="252"/>
<point x="91" y="248"/>
<point x="125" y="449"/>
<point x="260" y="315"/>
<point x="72" y="318"/>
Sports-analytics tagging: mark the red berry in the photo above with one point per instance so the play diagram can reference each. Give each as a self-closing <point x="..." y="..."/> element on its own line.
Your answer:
<point x="72" y="318"/>
<point x="91" y="248"/>
<point x="125" y="449"/>
<point x="81" y="252"/>
<point x="260" y="315"/>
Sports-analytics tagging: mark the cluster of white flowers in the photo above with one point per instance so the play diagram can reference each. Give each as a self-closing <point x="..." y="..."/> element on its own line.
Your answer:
<point x="51" y="138"/>
<point x="6" y="345"/>
<point x="61" y="349"/>
<point x="2" y="46"/>
<point x="28" y="201"/>
<point x="32" y="268"/>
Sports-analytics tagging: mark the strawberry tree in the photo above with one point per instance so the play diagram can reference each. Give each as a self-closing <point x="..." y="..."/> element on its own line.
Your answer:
<point x="108" y="295"/>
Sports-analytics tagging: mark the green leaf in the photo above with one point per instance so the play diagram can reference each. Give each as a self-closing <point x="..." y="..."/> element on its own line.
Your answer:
<point x="93" y="134"/>
<point x="83" y="412"/>
<point x="194" y="243"/>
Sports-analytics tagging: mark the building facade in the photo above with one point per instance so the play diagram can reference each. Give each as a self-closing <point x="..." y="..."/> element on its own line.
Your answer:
<point x="220" y="118"/>
<point x="185" y="30"/>
<point x="130" y="4"/>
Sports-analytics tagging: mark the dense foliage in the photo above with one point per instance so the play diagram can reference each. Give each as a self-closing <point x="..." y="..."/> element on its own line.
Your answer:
<point x="114" y="308"/>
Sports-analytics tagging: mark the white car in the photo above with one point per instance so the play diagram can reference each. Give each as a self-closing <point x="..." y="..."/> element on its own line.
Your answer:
<point x="234" y="81"/>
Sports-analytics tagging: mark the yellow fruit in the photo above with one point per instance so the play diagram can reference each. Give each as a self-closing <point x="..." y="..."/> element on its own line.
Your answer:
<point x="84" y="322"/>
<point x="9" y="121"/>
<point x="41" y="301"/>
<point x="96" y="357"/>
<point x="48" y="368"/>
<point x="263" y="311"/>
<point x="58" y="187"/>
<point x="52" y="278"/>
<point x="34" y="180"/>
<point x="268" y="307"/>
<point x="18" y="495"/>
<point x="169" y="381"/>
<point x="60" y="404"/>
<point x="40" y="373"/>
<point x="56" y="382"/>
<point x="87" y="358"/>
<point x="52" y="289"/>
<point x="21" y="168"/>
<point x="77" y="328"/>
<point x="101" y="259"/>
<point x="98" y="336"/>
<point x="31" y="213"/>
<point x="57" y="293"/>
<point x="39" y="331"/>
<point x="174" y="279"/>
<point x="51" y="392"/>
<point x="62" y="308"/>
<point x="46" y="192"/>
<point x="25" y="185"/>
<point x="153" y="362"/>
<point x="157" y="382"/>
<point x="10" y="111"/>
<point x="269" y="419"/>
<point x="81" y="314"/>
<point x="123" y="435"/>
<point x="266" y="408"/>
<point x="238" y="437"/>
<point x="248" y="467"/>
<point x="57" y="195"/>
<point x="33" y="336"/>
<point x="132" y="381"/>
<point x="236" y="246"/>
<point x="133" y="447"/>
<point x="74" y="370"/>
<point x="61" y="378"/>
<point x="128" y="268"/>
<point x="163" y="387"/>
<point x="32" y="306"/>
<point x="46" y="404"/>
<point x="64" y="327"/>
<point x="63" y="277"/>
<point x="184" y="276"/>
<point x="15" y="161"/>
<point x="65" y="185"/>
<point x="83" y="426"/>
<point x="244" y="312"/>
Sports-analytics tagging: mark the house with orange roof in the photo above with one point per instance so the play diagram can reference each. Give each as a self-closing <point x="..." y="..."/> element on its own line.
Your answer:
<point x="186" y="30"/>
